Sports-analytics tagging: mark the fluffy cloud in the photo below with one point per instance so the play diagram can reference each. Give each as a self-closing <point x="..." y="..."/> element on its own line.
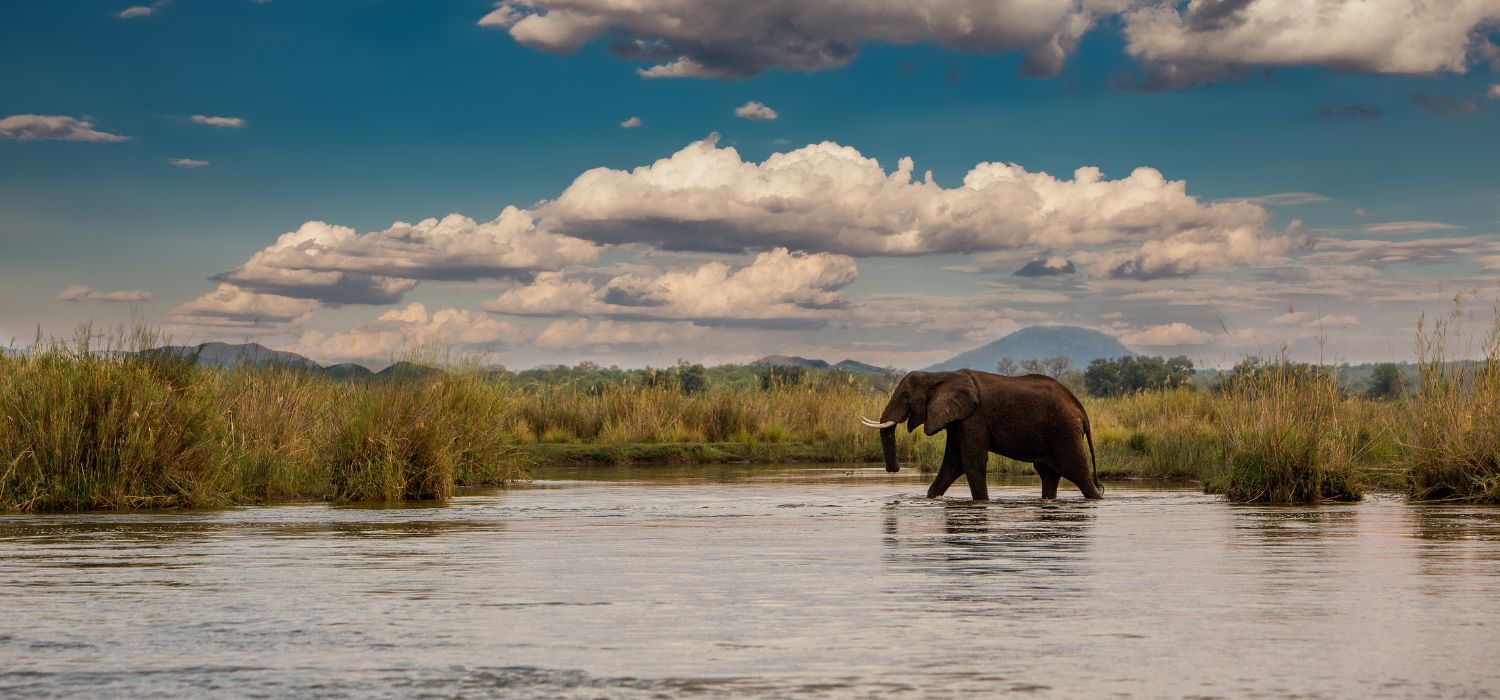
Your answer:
<point x="778" y="288"/>
<point x="827" y="197"/>
<point x="336" y="265"/>
<point x="730" y="39"/>
<point x="631" y="123"/>
<point x="222" y="122"/>
<point x="1177" y="42"/>
<point x="47" y="127"/>
<point x="1206" y="39"/>
<point x="755" y="111"/>
<point x="83" y="292"/>
<point x="1494" y="92"/>
<point x="408" y="329"/>
<point x="582" y="332"/>
<point x="187" y="162"/>
<point x="230" y="307"/>
<point x="1166" y="335"/>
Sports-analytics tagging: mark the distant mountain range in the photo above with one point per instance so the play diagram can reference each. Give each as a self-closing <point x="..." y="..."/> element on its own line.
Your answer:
<point x="1081" y="345"/>
<point x="854" y="366"/>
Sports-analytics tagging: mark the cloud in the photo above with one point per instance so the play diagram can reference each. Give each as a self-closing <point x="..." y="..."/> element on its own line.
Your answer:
<point x="1442" y="105"/>
<point x="230" y="307"/>
<point x="44" y="127"/>
<point x="1287" y="199"/>
<point x="1185" y="43"/>
<point x="1354" y="111"/>
<point x="738" y="40"/>
<point x="1176" y="43"/>
<point x="1421" y="251"/>
<point x="1494" y="92"/>
<point x="1166" y="335"/>
<point x="222" y="122"/>
<point x="187" y="162"/>
<point x="631" y="123"/>
<point x="336" y="265"/>
<point x="830" y="198"/>
<point x="408" y="329"/>
<point x="755" y="111"/>
<point x="137" y="11"/>
<point x="1396" y="228"/>
<point x="777" y="289"/>
<point x="1046" y="268"/>
<point x="83" y="292"/>
<point x="608" y="333"/>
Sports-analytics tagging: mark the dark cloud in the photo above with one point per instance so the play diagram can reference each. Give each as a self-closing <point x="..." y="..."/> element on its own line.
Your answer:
<point x="1443" y="105"/>
<point x="1216" y="15"/>
<point x="1046" y="268"/>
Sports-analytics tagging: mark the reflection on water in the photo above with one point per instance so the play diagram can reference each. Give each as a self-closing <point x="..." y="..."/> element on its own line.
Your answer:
<point x="734" y="580"/>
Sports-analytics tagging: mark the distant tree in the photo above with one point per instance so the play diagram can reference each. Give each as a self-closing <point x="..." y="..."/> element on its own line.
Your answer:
<point x="1128" y="375"/>
<point x="1387" y="382"/>
<point x="1057" y="366"/>
<point x="781" y="375"/>
<point x="1034" y="365"/>
<point x="1007" y="366"/>
<point x="1074" y="380"/>
<point x="691" y="378"/>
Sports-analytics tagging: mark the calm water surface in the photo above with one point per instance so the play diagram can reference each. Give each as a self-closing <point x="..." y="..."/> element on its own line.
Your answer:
<point x="773" y="581"/>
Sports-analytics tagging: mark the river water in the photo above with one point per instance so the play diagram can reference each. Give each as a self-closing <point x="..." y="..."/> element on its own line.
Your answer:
<point x="755" y="580"/>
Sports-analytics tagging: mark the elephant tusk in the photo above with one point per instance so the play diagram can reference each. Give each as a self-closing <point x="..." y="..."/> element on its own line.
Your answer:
<point x="872" y="424"/>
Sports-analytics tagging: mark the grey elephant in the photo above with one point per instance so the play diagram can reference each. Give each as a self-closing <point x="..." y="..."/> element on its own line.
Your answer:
<point x="1030" y="419"/>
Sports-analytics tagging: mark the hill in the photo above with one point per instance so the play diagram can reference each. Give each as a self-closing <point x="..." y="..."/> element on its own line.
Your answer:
<point x="226" y="355"/>
<point x="854" y="366"/>
<point x="1081" y="345"/>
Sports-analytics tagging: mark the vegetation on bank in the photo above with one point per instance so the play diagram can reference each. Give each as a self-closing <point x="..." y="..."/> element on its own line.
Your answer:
<point x="84" y="427"/>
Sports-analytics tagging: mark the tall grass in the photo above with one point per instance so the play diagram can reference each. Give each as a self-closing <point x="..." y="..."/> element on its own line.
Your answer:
<point x="97" y="423"/>
<point x="1452" y="445"/>
<point x="1287" y="438"/>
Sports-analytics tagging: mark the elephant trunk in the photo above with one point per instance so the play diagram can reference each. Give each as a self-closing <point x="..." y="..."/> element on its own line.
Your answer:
<point x="888" y="444"/>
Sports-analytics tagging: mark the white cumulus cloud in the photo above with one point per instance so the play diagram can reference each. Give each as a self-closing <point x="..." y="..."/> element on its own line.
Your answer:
<point x="828" y="197"/>
<point x="1181" y="43"/>
<point x="728" y="39"/>
<point x="337" y="265"/>
<point x="755" y="111"/>
<point x="222" y="122"/>
<point x="631" y="123"/>
<point x="187" y="162"/>
<point x="1166" y="335"/>
<point x="51" y="127"/>
<point x="230" y="307"/>
<point x="778" y="288"/>
<point x="408" y="329"/>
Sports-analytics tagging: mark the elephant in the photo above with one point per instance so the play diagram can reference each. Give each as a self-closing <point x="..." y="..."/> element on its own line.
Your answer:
<point x="1033" y="419"/>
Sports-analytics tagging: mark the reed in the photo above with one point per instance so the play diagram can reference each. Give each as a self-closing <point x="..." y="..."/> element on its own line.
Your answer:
<point x="1452" y="432"/>
<point x="1287" y="438"/>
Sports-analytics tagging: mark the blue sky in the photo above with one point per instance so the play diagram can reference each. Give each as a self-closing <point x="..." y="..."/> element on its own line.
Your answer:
<point x="361" y="114"/>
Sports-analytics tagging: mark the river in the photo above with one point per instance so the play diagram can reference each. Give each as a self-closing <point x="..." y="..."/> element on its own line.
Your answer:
<point x="754" y="580"/>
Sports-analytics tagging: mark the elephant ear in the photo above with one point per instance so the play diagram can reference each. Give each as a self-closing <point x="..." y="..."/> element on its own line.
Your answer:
<point x="954" y="398"/>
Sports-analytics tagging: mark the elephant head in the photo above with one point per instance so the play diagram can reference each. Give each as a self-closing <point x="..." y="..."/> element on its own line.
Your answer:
<point x="933" y="399"/>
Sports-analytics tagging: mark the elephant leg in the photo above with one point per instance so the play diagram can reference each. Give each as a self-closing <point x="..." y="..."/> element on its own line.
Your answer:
<point x="1050" y="478"/>
<point x="1073" y="463"/>
<point x="976" y="458"/>
<point x="951" y="469"/>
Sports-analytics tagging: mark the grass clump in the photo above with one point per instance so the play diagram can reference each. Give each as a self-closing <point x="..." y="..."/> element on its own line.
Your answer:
<point x="84" y="427"/>
<point x="1285" y="438"/>
<point x="1452" y="448"/>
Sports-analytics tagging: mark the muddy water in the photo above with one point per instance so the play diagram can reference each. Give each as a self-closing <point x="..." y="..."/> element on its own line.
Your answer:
<point x="728" y="581"/>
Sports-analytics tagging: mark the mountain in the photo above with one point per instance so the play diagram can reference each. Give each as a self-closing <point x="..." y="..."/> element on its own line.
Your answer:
<point x="348" y="370"/>
<point x="407" y="370"/>
<point x="1081" y="345"/>
<point x="226" y="355"/>
<point x="853" y="366"/>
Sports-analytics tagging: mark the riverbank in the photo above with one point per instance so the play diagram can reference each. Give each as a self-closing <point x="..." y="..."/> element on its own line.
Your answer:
<point x="85" y="428"/>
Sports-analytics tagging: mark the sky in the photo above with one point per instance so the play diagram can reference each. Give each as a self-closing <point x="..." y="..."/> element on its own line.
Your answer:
<point x="550" y="181"/>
